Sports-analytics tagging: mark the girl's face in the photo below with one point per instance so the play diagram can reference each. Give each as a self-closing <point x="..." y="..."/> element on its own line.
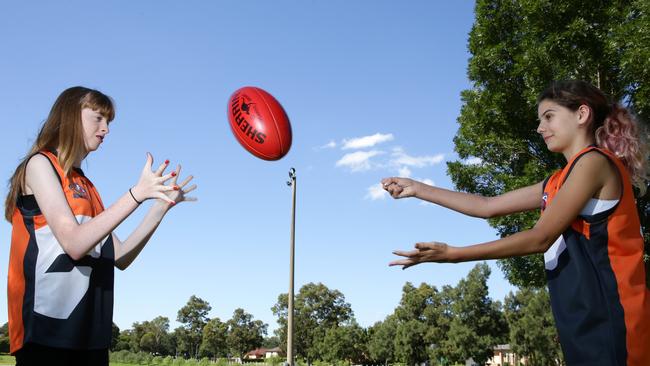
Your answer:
<point x="558" y="125"/>
<point x="95" y="128"/>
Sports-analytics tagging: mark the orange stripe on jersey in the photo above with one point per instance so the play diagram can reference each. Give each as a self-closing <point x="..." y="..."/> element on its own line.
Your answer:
<point x="16" y="280"/>
<point x="626" y="260"/>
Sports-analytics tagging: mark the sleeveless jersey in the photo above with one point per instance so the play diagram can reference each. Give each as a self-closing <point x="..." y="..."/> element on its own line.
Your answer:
<point x="596" y="279"/>
<point x="53" y="300"/>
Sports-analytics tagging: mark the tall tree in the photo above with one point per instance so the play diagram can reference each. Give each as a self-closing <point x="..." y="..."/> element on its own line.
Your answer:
<point x="477" y="324"/>
<point x="418" y="327"/>
<point x="532" y="329"/>
<point x="193" y="316"/>
<point x="518" y="47"/>
<point x="344" y="343"/>
<point x="214" y="342"/>
<point x="316" y="309"/>
<point x="244" y="333"/>
<point x="381" y="343"/>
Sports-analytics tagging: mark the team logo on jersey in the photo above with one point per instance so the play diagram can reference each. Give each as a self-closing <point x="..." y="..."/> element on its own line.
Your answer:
<point x="78" y="191"/>
<point x="544" y="199"/>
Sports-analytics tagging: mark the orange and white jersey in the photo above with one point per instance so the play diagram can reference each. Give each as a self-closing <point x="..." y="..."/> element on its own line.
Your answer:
<point x="54" y="300"/>
<point x="597" y="280"/>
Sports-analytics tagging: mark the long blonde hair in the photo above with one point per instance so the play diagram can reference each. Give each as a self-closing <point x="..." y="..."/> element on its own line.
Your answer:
<point x="62" y="132"/>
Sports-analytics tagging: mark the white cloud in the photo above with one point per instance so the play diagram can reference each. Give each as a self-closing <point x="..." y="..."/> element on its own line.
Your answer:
<point x="376" y="192"/>
<point x="400" y="158"/>
<point x="358" y="161"/>
<point x="473" y="161"/>
<point x="366" y="141"/>
<point x="404" y="172"/>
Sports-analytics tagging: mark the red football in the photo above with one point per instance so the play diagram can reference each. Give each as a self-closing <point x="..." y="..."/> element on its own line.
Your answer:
<point x="259" y="123"/>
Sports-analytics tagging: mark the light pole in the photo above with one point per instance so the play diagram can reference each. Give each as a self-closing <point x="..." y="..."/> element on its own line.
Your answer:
<point x="292" y="184"/>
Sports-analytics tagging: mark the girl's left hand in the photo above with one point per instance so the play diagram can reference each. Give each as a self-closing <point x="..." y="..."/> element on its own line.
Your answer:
<point x="424" y="252"/>
<point x="177" y="195"/>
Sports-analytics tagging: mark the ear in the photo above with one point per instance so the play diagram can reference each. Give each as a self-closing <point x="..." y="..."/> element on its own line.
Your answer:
<point x="584" y="114"/>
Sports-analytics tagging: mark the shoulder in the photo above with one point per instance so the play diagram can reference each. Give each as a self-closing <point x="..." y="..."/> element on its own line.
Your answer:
<point x="592" y="166"/>
<point x="38" y="162"/>
<point x="39" y="167"/>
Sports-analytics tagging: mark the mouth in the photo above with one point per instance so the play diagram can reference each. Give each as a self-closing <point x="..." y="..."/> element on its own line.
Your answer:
<point x="101" y="138"/>
<point x="546" y="138"/>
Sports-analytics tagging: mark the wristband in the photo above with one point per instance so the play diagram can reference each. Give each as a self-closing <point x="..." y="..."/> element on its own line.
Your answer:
<point x="132" y="196"/>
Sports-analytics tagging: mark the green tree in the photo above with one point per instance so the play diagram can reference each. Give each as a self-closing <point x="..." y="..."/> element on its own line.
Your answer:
<point x="532" y="328"/>
<point x="193" y="316"/>
<point x="271" y="342"/>
<point x="344" y="343"/>
<point x="4" y="338"/>
<point x="316" y="309"/>
<point x="477" y="324"/>
<point x="115" y="336"/>
<point x="381" y="343"/>
<point x="214" y="339"/>
<point x="419" y="326"/>
<point x="244" y="333"/>
<point x="518" y="47"/>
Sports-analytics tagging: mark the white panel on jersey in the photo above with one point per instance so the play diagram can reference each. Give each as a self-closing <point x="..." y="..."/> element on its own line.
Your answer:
<point x="592" y="207"/>
<point x="552" y="255"/>
<point x="57" y="294"/>
<point x="595" y="206"/>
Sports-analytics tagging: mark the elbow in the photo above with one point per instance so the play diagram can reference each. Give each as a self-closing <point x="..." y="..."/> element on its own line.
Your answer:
<point x="121" y="266"/>
<point x="71" y="249"/>
<point x="541" y="240"/>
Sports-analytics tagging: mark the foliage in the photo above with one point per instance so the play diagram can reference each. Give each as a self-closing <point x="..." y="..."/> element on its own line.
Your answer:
<point x="244" y="333"/>
<point x="316" y="309"/>
<point x="532" y="329"/>
<point x="518" y="48"/>
<point x="193" y="316"/>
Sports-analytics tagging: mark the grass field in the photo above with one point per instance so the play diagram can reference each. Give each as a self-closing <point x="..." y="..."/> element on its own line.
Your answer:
<point x="9" y="360"/>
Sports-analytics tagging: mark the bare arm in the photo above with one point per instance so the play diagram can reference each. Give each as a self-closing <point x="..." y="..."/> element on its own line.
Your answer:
<point x="587" y="177"/>
<point x="77" y="239"/>
<point x="519" y="200"/>
<point x="127" y="251"/>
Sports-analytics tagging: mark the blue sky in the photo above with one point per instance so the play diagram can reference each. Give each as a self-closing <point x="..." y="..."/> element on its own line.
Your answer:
<point x="372" y="89"/>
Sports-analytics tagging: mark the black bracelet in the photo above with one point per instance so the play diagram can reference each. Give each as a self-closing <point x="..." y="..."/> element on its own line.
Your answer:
<point x="132" y="196"/>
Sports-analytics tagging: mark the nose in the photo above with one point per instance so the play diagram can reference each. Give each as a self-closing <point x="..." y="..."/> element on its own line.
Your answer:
<point x="104" y="127"/>
<point x="540" y="128"/>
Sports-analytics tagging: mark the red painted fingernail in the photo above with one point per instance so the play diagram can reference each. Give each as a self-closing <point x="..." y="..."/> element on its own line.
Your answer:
<point x="167" y="161"/>
<point x="172" y="203"/>
<point x="173" y="174"/>
<point x="176" y="188"/>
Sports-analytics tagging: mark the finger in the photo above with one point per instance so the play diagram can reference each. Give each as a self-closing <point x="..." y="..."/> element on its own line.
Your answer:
<point x="162" y="167"/>
<point x="167" y="188"/>
<point x="401" y="262"/>
<point x="404" y="253"/>
<point x="189" y="189"/>
<point x="386" y="182"/>
<point x="148" y="162"/>
<point x="164" y="197"/>
<point x="166" y="177"/>
<point x="434" y="245"/>
<point x="187" y="180"/>
<point x="178" y="172"/>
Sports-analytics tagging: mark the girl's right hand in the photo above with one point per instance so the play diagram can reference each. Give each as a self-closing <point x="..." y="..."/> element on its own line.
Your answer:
<point x="152" y="183"/>
<point x="400" y="187"/>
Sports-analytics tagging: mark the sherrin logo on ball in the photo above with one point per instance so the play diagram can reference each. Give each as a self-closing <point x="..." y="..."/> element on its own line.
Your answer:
<point x="259" y="123"/>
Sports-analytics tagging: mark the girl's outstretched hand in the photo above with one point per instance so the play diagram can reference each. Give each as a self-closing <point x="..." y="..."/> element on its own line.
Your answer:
<point x="424" y="252"/>
<point x="178" y="191"/>
<point x="152" y="183"/>
<point x="400" y="187"/>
